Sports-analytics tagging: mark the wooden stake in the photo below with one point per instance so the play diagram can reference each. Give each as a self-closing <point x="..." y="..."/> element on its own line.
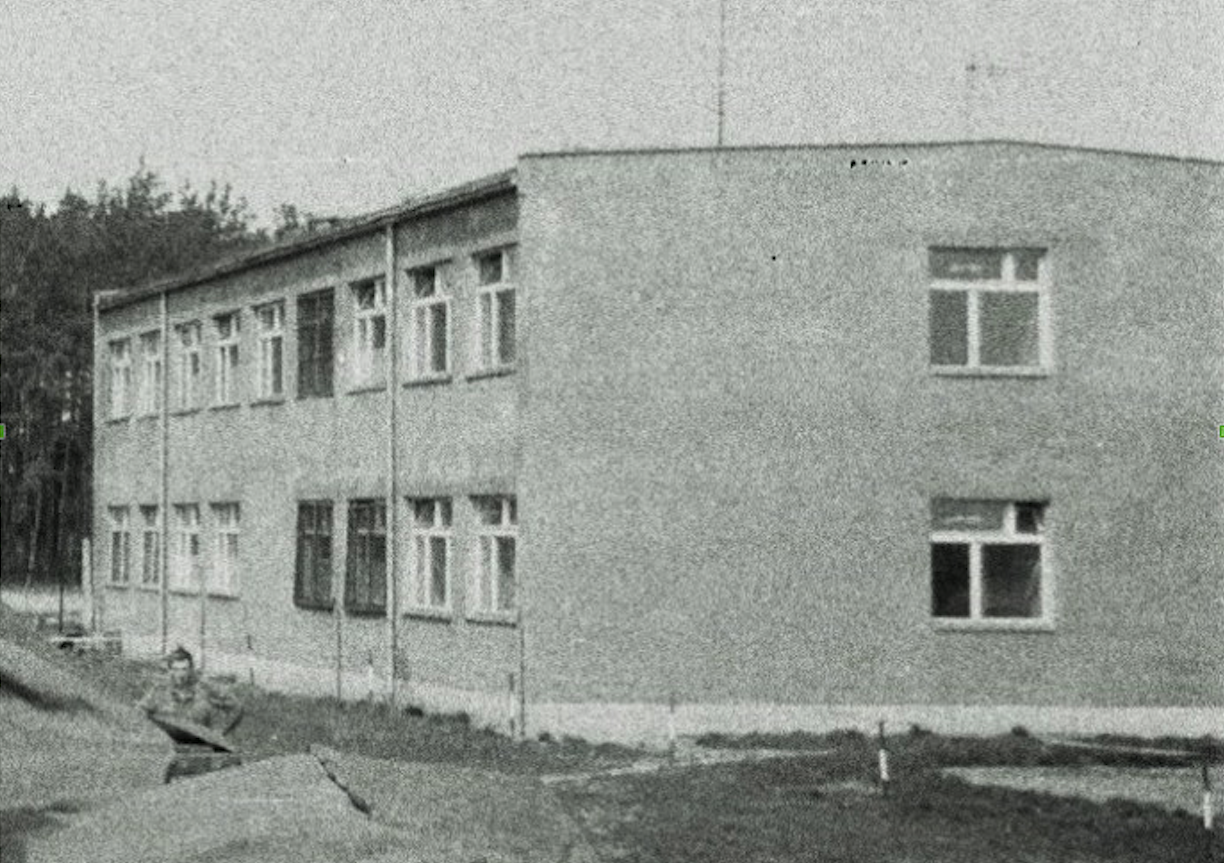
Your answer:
<point x="883" y="765"/>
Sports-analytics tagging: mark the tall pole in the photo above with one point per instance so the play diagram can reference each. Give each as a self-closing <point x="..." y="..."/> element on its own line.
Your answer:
<point x="722" y="67"/>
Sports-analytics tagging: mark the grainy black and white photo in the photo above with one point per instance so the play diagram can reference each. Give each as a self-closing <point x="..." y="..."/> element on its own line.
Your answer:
<point x="669" y="430"/>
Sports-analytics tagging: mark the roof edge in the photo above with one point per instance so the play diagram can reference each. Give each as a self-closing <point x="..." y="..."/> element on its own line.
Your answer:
<point x="874" y="145"/>
<point x="492" y="185"/>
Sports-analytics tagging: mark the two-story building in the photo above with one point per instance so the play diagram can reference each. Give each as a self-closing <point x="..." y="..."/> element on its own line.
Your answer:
<point x="730" y="439"/>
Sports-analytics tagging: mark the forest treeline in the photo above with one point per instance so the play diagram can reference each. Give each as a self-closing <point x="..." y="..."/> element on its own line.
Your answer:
<point x="52" y="264"/>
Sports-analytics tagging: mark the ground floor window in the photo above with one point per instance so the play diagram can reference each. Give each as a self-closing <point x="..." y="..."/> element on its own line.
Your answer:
<point x="312" y="582"/>
<point x="365" y="582"/>
<point x="186" y="569"/>
<point x="120" y="545"/>
<point x="227" y="518"/>
<point x="150" y="559"/>
<point x="431" y="544"/>
<point x="988" y="560"/>
<point x="496" y="538"/>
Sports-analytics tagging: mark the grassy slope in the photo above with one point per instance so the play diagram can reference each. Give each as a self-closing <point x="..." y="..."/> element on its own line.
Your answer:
<point x="819" y="807"/>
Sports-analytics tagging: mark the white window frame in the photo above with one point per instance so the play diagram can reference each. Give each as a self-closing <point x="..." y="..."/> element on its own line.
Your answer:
<point x="120" y="378"/>
<point x="489" y="348"/>
<point x="1007" y="534"/>
<point x="185" y="574"/>
<point x="368" y="359"/>
<point x="1007" y="283"/>
<point x="148" y="397"/>
<point x="425" y="305"/>
<point x="226" y="550"/>
<point x="190" y="366"/>
<point x="150" y="533"/>
<point x="439" y="526"/>
<point x="270" y="361"/>
<point x="225" y="373"/>
<point x="486" y="575"/>
<point x="119" y="573"/>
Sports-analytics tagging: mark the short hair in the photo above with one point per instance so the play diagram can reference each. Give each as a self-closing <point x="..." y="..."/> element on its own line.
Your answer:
<point x="178" y="655"/>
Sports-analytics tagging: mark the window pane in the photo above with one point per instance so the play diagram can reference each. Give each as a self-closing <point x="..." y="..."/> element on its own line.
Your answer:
<point x="486" y="572"/>
<point x="1011" y="580"/>
<point x="486" y="330"/>
<point x="1029" y="517"/>
<point x="488" y="509"/>
<point x="277" y="380"/>
<point x="423" y="283"/>
<point x="422" y="513"/>
<point x="505" y="573"/>
<point x="966" y="515"/>
<point x="505" y="322"/>
<point x="422" y="569"/>
<point x="949" y="328"/>
<point x="379" y="338"/>
<point x="966" y="264"/>
<point x="949" y="580"/>
<point x="1027" y="264"/>
<point x="438" y="339"/>
<point x="490" y="268"/>
<point x="1009" y="329"/>
<point x="437" y="570"/>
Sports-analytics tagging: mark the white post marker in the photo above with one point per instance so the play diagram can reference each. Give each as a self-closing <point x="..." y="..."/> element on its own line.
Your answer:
<point x="1208" y="805"/>
<point x="883" y="765"/>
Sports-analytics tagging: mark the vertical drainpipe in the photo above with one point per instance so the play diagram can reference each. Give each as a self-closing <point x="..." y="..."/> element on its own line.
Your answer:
<point x="393" y="394"/>
<point x="97" y="621"/>
<point x="163" y="471"/>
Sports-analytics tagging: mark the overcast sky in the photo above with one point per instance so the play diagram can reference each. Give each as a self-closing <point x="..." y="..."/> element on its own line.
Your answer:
<point x="341" y="106"/>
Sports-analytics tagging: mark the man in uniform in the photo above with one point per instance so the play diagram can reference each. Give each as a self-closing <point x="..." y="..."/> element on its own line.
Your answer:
<point x="185" y="697"/>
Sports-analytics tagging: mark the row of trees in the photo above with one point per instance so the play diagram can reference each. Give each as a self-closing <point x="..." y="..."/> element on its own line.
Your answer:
<point x="51" y="266"/>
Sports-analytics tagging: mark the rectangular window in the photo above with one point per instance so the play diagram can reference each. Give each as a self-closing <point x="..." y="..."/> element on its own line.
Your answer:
<point x="120" y="545"/>
<point x="988" y="560"/>
<point x="185" y="573"/>
<point x="989" y="309"/>
<point x="270" y="319"/>
<point x="431" y="544"/>
<point x="120" y="378"/>
<point x="150" y="547"/>
<point x="149" y="395"/>
<point x="314" y="326"/>
<point x="369" y="331"/>
<point x="225" y="377"/>
<point x="312" y="581"/>
<point x="365" y="581"/>
<point x="188" y="368"/>
<point x="430" y="349"/>
<point x="497" y="529"/>
<point x="224" y="581"/>
<point x="495" y="299"/>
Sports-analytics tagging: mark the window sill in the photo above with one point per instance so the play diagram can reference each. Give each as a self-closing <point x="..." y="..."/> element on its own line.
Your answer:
<point x="149" y="588"/>
<point x="185" y="591"/>
<point x="110" y="421"/>
<point x="117" y="585"/>
<point x="268" y="402"/>
<point x="991" y="372"/>
<point x="304" y="396"/>
<point x="429" y="381"/>
<point x="228" y="406"/>
<point x="498" y="372"/>
<point x="184" y="412"/>
<point x="995" y="625"/>
<point x="366" y="388"/>
<point x="370" y="613"/>
<point x="443" y="615"/>
<point x="223" y="594"/>
<point x="326" y="608"/>
<point x="147" y="417"/>
<point x="494" y="618"/>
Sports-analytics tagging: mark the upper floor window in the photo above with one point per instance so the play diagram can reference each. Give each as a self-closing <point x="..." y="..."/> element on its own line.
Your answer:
<point x="496" y="537"/>
<point x="495" y="310"/>
<point x="120" y="377"/>
<point x="270" y="320"/>
<point x="431" y="542"/>
<point x="365" y="582"/>
<point x="369" y="330"/>
<point x="989" y="309"/>
<point x="430" y="349"/>
<point x="987" y="560"/>
<point x="188" y="367"/>
<point x="225" y="372"/>
<point x="314" y="327"/>
<point x="312" y="571"/>
<point x="149" y="395"/>
<point x="226" y="518"/>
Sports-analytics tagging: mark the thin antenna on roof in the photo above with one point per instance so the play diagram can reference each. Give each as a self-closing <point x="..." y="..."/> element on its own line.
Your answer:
<point x="722" y="66"/>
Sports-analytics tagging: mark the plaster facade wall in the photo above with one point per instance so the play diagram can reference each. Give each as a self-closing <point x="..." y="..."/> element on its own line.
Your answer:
<point x="732" y="433"/>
